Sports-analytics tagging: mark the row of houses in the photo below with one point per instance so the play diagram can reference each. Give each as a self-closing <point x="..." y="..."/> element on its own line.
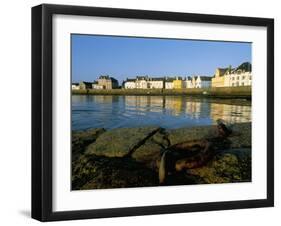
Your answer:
<point x="224" y="77"/>
<point x="103" y="82"/>
<point x="177" y="82"/>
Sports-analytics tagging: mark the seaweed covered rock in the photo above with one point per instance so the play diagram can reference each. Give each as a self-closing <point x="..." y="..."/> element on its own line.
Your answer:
<point x="242" y="135"/>
<point x="120" y="142"/>
<point x="188" y="134"/>
<point x="150" y="152"/>
<point x="229" y="166"/>
<point x="80" y="139"/>
<point x="96" y="172"/>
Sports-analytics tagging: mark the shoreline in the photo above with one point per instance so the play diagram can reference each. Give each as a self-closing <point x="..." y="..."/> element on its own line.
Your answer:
<point x="244" y="92"/>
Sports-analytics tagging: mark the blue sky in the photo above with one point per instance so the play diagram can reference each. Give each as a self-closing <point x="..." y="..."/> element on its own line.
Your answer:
<point x="122" y="57"/>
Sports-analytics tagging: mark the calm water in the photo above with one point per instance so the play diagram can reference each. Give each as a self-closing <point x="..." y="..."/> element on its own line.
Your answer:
<point x="165" y="111"/>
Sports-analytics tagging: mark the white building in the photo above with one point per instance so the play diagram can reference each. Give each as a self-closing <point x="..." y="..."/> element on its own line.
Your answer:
<point x="75" y="86"/>
<point x="230" y="77"/>
<point x="95" y="85"/>
<point x="130" y="84"/>
<point x="193" y="82"/>
<point x="141" y="82"/>
<point x="169" y="84"/>
<point x="187" y="83"/>
<point x="155" y="83"/>
<point x="240" y="78"/>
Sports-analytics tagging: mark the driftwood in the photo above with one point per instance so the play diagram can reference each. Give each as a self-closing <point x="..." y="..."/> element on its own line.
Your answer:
<point x="193" y="154"/>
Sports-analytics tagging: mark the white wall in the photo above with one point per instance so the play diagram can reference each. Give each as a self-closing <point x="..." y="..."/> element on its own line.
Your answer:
<point x="16" y="104"/>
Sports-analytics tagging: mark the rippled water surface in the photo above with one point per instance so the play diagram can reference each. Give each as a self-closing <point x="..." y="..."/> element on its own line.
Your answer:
<point x="164" y="111"/>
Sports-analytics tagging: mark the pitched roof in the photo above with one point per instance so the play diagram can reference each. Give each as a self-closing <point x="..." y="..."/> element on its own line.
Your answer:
<point x="130" y="80"/>
<point x="157" y="79"/>
<point x="205" y="78"/>
<point x="87" y="83"/>
<point x="169" y="79"/>
<point x="246" y="66"/>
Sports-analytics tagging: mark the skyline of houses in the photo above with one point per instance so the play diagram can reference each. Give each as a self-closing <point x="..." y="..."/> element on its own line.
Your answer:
<point x="223" y="77"/>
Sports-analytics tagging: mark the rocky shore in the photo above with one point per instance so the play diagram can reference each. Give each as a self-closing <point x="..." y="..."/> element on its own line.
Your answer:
<point x="130" y="157"/>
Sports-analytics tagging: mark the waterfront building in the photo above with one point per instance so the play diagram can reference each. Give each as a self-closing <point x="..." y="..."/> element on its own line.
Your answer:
<point x="169" y="83"/>
<point x="130" y="83"/>
<point x="75" y="86"/>
<point x="227" y="77"/>
<point x="187" y="83"/>
<point x="220" y="79"/>
<point x="203" y="82"/>
<point x="240" y="78"/>
<point x="141" y="82"/>
<point x="95" y="85"/>
<point x="178" y="83"/>
<point x="193" y="82"/>
<point x="156" y="83"/>
<point x="85" y="85"/>
<point x="107" y="82"/>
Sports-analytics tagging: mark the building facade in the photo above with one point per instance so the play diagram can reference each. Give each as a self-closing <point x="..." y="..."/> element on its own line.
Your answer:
<point x="141" y="82"/>
<point x="107" y="82"/>
<point x="203" y="82"/>
<point x="169" y="83"/>
<point x="96" y="85"/>
<point x="75" y="86"/>
<point x="240" y="78"/>
<point x="219" y="78"/>
<point x="178" y="83"/>
<point x="156" y="83"/>
<point x="130" y="84"/>
<point x="187" y="83"/>
<point x="85" y="85"/>
<point x="230" y="77"/>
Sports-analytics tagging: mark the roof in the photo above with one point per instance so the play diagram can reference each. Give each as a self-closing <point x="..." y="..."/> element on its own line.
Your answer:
<point x="104" y="77"/>
<point x="157" y="79"/>
<point x="205" y="78"/>
<point x="246" y="66"/>
<point x="108" y="78"/>
<point x="87" y="83"/>
<point x="130" y="80"/>
<point x="142" y="77"/>
<point x="75" y="83"/>
<point x="222" y="71"/>
<point x="170" y="79"/>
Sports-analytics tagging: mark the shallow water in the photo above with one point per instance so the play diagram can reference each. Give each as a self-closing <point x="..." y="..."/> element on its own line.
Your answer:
<point x="164" y="111"/>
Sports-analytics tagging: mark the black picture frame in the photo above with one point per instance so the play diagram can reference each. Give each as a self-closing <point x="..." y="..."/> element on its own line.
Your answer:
<point x="42" y="111"/>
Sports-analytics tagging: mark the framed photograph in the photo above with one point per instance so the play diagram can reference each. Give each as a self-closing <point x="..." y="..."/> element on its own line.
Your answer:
<point x="145" y="112"/>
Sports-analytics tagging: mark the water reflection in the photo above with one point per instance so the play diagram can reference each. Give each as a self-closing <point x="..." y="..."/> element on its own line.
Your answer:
<point x="165" y="111"/>
<point x="231" y="113"/>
